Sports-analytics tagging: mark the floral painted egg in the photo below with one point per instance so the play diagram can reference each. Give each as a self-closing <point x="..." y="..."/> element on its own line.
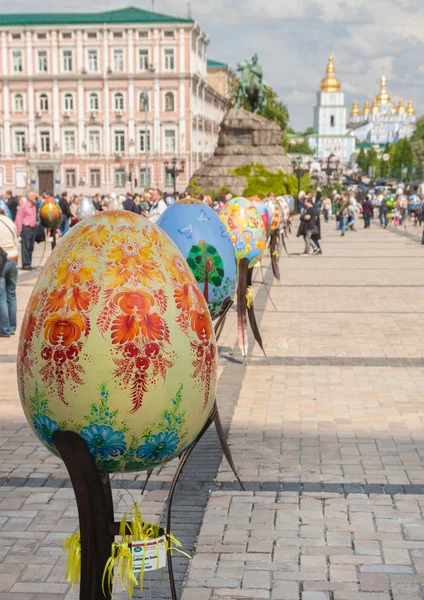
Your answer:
<point x="246" y="229"/>
<point x="290" y="203"/>
<point x="204" y="242"/>
<point x="262" y="209"/>
<point x="117" y="344"/>
<point x="275" y="213"/>
<point x="50" y="215"/>
<point x="285" y="210"/>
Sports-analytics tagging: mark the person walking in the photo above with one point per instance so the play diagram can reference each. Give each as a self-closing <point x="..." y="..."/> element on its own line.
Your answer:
<point x="12" y="204"/>
<point x="309" y="218"/>
<point x="26" y="220"/>
<point x="366" y="212"/>
<point x="66" y="212"/>
<point x="157" y="205"/>
<point x="343" y="212"/>
<point x="326" y="208"/>
<point x="382" y="213"/>
<point x="129" y="204"/>
<point x="8" y="275"/>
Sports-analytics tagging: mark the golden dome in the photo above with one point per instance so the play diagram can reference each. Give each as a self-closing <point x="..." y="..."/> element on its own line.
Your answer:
<point x="355" y="112"/>
<point x="410" y="110"/>
<point x="383" y="97"/>
<point x="330" y="83"/>
<point x="367" y="109"/>
<point x="401" y="108"/>
<point x="375" y="109"/>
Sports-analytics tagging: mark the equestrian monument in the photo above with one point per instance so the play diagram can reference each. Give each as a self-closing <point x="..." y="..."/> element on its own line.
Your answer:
<point x="245" y="139"/>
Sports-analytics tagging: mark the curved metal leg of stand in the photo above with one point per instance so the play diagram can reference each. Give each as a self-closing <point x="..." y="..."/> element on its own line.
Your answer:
<point x="219" y="325"/>
<point x="183" y="459"/>
<point x="149" y="474"/>
<point x="224" y="445"/>
<point x="95" y="511"/>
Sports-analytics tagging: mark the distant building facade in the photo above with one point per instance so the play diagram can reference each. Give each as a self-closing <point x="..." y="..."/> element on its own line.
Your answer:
<point x="220" y="77"/>
<point x="331" y="136"/>
<point x="84" y="97"/>
<point x="385" y="121"/>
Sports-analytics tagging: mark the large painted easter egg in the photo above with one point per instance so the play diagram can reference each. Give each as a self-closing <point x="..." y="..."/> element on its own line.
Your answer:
<point x="275" y="213"/>
<point x="50" y="215"/>
<point x="117" y="344"/>
<point x="291" y="203"/>
<point x="85" y="209"/>
<point x="262" y="209"/>
<point x="246" y="229"/>
<point x="204" y="242"/>
<point x="285" y="210"/>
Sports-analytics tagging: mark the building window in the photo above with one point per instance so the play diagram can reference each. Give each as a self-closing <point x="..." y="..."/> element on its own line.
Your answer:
<point x="144" y="141"/>
<point x="169" y="34"/>
<point x="42" y="61"/>
<point x="67" y="36"/>
<point x="143" y="59"/>
<point x="18" y="62"/>
<point x="169" y="179"/>
<point x="69" y="142"/>
<point x="93" y="61"/>
<point x="95" y="178"/>
<point x="120" y="178"/>
<point x="92" y="35"/>
<point x="118" y="101"/>
<point x="70" y="178"/>
<point x="68" y="103"/>
<point x="45" y="146"/>
<point x="94" y="142"/>
<point x="16" y="36"/>
<point x="20" y="142"/>
<point x="41" y="36"/>
<point x="68" y="61"/>
<point x="143" y="103"/>
<point x="144" y="181"/>
<point x="118" y="34"/>
<point x="19" y="103"/>
<point x="169" y="56"/>
<point x="93" y="101"/>
<point x="118" y="61"/>
<point x="170" y="141"/>
<point x="119" y="141"/>
<point x="332" y="123"/>
<point x="169" y="101"/>
<point x="143" y="34"/>
<point x="43" y="102"/>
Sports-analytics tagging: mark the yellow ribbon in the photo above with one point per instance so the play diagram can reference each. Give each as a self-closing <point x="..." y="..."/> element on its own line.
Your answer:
<point x="250" y="296"/>
<point x="276" y="254"/>
<point x="72" y="545"/>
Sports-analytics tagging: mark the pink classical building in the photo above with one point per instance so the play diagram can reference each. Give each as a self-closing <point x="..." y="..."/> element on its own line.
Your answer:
<point x="99" y="102"/>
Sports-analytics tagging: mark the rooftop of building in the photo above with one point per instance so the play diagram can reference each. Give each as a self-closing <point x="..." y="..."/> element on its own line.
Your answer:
<point x="215" y="64"/>
<point x="130" y="14"/>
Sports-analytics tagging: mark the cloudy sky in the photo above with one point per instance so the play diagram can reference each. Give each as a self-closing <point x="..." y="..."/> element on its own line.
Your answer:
<point x="294" y="37"/>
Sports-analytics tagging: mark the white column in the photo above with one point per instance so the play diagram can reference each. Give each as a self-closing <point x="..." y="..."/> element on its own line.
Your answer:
<point x="30" y="108"/>
<point x="29" y="53"/>
<point x="6" y="109"/>
<point x="157" y="145"/>
<point x="131" y="124"/>
<point x="182" y="51"/>
<point x="106" y="119"/>
<point x="56" y="115"/>
<point x="55" y="65"/>
<point x="130" y="47"/>
<point x="81" y="111"/>
<point x="80" y="56"/>
<point x="183" y="133"/>
<point x="105" y="51"/>
<point x="156" y="49"/>
<point x="4" y="53"/>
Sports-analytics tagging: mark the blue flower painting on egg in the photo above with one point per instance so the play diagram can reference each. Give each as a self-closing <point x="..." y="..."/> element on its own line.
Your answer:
<point x="197" y="231"/>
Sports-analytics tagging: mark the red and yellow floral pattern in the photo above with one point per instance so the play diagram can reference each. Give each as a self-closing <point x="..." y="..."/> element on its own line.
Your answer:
<point x="117" y="302"/>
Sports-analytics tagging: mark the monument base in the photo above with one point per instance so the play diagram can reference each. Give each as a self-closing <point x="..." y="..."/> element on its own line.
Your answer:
<point x="245" y="139"/>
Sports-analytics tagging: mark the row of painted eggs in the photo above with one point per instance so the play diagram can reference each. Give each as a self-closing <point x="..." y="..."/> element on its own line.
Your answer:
<point x="143" y="394"/>
<point x="50" y="214"/>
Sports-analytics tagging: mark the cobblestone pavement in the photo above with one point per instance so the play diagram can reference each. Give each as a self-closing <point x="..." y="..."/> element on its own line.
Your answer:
<point x="326" y="431"/>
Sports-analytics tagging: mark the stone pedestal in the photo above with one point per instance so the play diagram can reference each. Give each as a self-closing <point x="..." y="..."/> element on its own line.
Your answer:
<point x="244" y="139"/>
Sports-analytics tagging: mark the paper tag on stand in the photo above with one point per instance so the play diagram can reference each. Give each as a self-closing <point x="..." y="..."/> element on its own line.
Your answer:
<point x="154" y="553"/>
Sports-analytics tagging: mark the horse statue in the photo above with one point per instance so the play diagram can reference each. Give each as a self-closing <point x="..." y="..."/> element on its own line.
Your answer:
<point x="251" y="85"/>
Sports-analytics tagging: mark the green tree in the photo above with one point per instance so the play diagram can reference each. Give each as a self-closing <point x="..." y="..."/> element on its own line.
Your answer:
<point x="362" y="161"/>
<point x="418" y="134"/>
<point x="300" y="148"/>
<point x="309" y="131"/>
<point x="385" y="164"/>
<point x="373" y="162"/>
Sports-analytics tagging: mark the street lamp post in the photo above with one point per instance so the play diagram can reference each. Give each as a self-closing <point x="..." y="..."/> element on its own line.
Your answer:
<point x="174" y="171"/>
<point x="144" y="95"/>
